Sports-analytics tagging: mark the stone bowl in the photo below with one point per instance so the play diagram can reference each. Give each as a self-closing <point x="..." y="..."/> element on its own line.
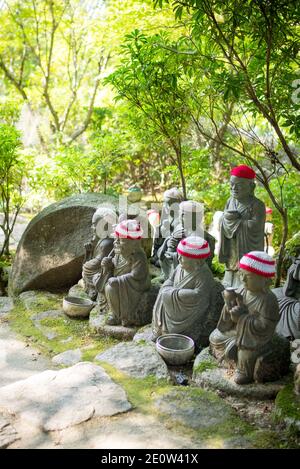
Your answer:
<point x="77" y="307"/>
<point x="175" y="349"/>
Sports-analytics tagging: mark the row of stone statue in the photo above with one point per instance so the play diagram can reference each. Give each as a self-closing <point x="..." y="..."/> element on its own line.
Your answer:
<point x="190" y="300"/>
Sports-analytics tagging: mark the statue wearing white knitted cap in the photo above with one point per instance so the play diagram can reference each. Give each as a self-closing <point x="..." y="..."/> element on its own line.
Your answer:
<point x="242" y="223"/>
<point x="245" y="332"/>
<point x="187" y="300"/>
<point x="189" y="223"/>
<point x="99" y="247"/>
<point x="126" y="276"/>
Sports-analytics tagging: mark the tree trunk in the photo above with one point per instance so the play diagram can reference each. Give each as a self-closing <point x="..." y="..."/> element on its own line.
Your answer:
<point x="284" y="236"/>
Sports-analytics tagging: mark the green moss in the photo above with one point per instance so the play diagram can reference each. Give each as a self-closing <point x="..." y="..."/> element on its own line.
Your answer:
<point x="287" y="408"/>
<point x="204" y="366"/>
<point x="70" y="333"/>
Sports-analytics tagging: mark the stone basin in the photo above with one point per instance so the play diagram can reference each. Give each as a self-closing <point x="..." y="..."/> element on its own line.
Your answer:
<point x="175" y="349"/>
<point x="76" y="307"/>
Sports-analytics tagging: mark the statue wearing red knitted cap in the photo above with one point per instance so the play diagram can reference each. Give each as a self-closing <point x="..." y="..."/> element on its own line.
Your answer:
<point x="242" y="224"/>
<point x="187" y="301"/>
<point x="245" y="334"/>
<point x="125" y="277"/>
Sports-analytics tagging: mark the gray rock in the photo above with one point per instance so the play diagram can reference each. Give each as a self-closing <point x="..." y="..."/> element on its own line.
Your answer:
<point x="54" y="400"/>
<point x="221" y="379"/>
<point x="203" y="361"/>
<point x="135" y="360"/>
<point x="8" y="433"/>
<point x="33" y="299"/>
<point x="97" y="324"/>
<point x="37" y="318"/>
<point x="51" y="250"/>
<point x="69" y="357"/>
<point x="194" y="410"/>
<point x="143" y="335"/>
<point x="6" y="304"/>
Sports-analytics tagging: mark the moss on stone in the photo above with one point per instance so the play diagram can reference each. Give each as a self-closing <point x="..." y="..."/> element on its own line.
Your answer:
<point x="204" y="366"/>
<point x="287" y="408"/>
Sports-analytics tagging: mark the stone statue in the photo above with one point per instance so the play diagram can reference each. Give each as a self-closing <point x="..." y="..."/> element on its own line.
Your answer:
<point x="125" y="278"/>
<point x="186" y="301"/>
<point x="242" y="224"/>
<point x="289" y="303"/>
<point x="189" y="223"/>
<point x="245" y="332"/>
<point x="98" y="248"/>
<point x="169" y="215"/>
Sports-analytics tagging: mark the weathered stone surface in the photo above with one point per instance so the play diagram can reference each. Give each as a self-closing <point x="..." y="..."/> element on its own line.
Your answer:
<point x="37" y="318"/>
<point x="54" y="400"/>
<point x="136" y="360"/>
<point x="194" y="410"/>
<point x="287" y="407"/>
<point x="33" y="299"/>
<point x="143" y="335"/>
<point x="97" y="323"/>
<point x="221" y="379"/>
<point x="6" y="304"/>
<point x="69" y="357"/>
<point x="50" y="253"/>
<point x="203" y="361"/>
<point x="8" y="433"/>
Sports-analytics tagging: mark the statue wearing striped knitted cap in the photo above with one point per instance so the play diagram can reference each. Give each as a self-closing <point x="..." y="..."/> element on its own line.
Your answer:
<point x="242" y="224"/>
<point x="186" y="303"/>
<point x="245" y="335"/>
<point x="125" y="277"/>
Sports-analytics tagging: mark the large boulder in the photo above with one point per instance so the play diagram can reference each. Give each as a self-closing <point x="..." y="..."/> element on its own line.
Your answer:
<point x="50" y="253"/>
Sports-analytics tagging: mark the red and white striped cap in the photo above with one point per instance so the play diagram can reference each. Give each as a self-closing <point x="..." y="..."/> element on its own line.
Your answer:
<point x="194" y="247"/>
<point x="258" y="262"/>
<point x="130" y="229"/>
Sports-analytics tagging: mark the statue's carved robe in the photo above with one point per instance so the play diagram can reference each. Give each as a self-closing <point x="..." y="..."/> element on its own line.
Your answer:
<point x="289" y="304"/>
<point x="242" y="235"/>
<point x="184" y="303"/>
<point x="131" y="280"/>
<point x="91" y="267"/>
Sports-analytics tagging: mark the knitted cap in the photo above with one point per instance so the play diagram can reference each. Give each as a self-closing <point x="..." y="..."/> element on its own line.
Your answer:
<point x="194" y="247"/>
<point x="243" y="171"/>
<point x="258" y="262"/>
<point x="129" y="229"/>
<point x="191" y="206"/>
<point x="173" y="193"/>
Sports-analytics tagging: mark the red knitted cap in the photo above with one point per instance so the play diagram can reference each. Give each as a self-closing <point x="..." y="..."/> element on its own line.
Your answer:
<point x="243" y="171"/>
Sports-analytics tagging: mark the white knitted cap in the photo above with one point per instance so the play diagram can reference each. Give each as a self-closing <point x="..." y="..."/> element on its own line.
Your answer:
<point x="194" y="247"/>
<point x="130" y="229"/>
<point x="258" y="262"/>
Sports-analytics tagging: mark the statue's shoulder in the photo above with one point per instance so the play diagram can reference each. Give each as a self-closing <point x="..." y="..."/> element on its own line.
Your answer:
<point x="259" y="203"/>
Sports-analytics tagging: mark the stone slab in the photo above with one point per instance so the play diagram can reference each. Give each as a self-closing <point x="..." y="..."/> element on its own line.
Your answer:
<point x="136" y="360"/>
<point x="68" y="358"/>
<point x="54" y="400"/>
<point x="97" y="323"/>
<point x="6" y="304"/>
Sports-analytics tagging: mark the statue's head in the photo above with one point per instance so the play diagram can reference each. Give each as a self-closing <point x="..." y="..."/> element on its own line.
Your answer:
<point x="172" y="196"/>
<point x="242" y="183"/>
<point x="256" y="270"/>
<point x="128" y="235"/>
<point x="192" y="252"/>
<point x="191" y="217"/>
<point x="102" y="222"/>
<point x="292" y="285"/>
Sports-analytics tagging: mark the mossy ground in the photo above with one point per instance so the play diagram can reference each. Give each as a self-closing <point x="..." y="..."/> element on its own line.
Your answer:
<point x="142" y="393"/>
<point x="288" y="408"/>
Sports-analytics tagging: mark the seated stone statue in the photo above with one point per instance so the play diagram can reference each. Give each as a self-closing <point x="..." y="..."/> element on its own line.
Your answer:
<point x="99" y="247"/>
<point x="289" y="303"/>
<point x="187" y="300"/>
<point x="168" y="220"/>
<point x="189" y="223"/>
<point x="245" y="332"/>
<point x="125" y="278"/>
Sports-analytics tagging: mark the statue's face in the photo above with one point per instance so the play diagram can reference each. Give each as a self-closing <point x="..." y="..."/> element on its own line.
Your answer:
<point x="126" y="247"/>
<point x="241" y="188"/>
<point x="188" y="264"/>
<point x="252" y="281"/>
